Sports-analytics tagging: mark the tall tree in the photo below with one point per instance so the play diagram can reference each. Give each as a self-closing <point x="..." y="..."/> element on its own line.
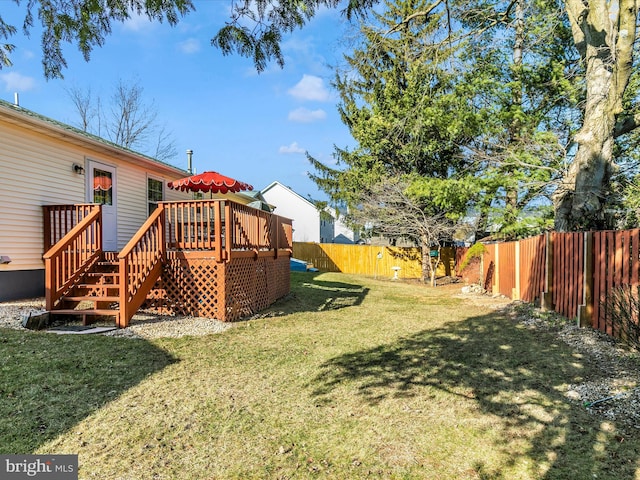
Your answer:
<point x="604" y="33"/>
<point x="522" y="58"/>
<point x="401" y="102"/>
<point x="129" y="121"/>
<point x="86" y="23"/>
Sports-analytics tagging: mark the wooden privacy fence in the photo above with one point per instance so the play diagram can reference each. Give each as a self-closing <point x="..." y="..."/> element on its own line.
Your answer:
<point x="370" y="260"/>
<point x="570" y="273"/>
<point x="548" y="269"/>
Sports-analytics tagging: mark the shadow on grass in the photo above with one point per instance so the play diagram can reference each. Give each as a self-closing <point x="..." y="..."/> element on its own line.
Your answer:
<point x="310" y="293"/>
<point x="52" y="382"/>
<point x="514" y="373"/>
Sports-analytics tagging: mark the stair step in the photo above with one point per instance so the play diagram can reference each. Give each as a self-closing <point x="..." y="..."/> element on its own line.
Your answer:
<point x="95" y="291"/>
<point x="91" y="298"/>
<point x="108" y="264"/>
<point x="100" y="311"/>
<point x="102" y="274"/>
<point x="98" y="286"/>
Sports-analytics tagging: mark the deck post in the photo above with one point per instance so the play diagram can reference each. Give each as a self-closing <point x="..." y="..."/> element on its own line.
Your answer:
<point x="276" y="235"/>
<point x="48" y="284"/>
<point x="123" y="280"/>
<point x="229" y="225"/>
<point x="217" y="222"/>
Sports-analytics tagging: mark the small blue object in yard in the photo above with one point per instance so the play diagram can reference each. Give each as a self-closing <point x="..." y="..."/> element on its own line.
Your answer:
<point x="300" y="266"/>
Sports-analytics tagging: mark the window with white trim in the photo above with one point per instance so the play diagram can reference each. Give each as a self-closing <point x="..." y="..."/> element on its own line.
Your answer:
<point x="155" y="193"/>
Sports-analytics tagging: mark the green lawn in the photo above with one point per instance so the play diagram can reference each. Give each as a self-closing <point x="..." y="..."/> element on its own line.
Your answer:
<point x="348" y="377"/>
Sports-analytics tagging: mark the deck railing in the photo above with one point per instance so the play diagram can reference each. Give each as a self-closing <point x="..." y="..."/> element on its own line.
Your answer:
<point x="223" y="226"/>
<point x="250" y="228"/>
<point x="195" y="225"/>
<point x="140" y="264"/>
<point x="60" y="219"/>
<point x="72" y="255"/>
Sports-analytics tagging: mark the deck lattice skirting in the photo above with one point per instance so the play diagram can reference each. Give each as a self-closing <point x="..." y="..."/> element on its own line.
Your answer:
<point x="195" y="284"/>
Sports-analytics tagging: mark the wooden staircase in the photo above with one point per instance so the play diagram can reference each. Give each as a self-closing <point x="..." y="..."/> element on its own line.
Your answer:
<point x="96" y="294"/>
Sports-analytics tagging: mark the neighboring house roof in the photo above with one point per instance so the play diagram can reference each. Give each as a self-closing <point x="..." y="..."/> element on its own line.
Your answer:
<point x="39" y="123"/>
<point x="277" y="183"/>
<point x="252" y="199"/>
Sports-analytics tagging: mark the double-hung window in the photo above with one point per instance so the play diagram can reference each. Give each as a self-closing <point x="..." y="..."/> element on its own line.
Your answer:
<point x="155" y="193"/>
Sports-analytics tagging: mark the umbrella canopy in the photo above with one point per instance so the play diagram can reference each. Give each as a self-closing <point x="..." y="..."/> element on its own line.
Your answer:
<point x="212" y="182"/>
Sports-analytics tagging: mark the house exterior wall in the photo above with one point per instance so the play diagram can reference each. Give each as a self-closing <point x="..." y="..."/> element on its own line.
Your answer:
<point x="334" y="230"/>
<point x="327" y="230"/>
<point x="132" y="198"/>
<point x="36" y="169"/>
<point x="344" y="233"/>
<point x="303" y="213"/>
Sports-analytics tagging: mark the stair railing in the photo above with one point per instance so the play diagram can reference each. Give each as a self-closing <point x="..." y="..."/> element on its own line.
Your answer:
<point x="140" y="264"/>
<point x="71" y="256"/>
<point x="60" y="219"/>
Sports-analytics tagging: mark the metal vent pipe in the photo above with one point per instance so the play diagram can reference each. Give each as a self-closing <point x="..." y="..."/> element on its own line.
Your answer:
<point x="190" y="161"/>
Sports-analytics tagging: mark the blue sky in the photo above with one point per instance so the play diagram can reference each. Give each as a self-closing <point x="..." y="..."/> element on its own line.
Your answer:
<point x="250" y="126"/>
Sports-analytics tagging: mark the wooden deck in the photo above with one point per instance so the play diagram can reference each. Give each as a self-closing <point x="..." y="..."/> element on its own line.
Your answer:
<point x="209" y="258"/>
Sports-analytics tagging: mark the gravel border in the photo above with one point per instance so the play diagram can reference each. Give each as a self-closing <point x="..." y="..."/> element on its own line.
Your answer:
<point x="143" y="324"/>
<point x="613" y="390"/>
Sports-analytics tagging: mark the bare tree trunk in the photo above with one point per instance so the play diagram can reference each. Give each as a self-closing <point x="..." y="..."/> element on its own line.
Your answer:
<point x="426" y="263"/>
<point x="511" y="197"/>
<point x="604" y="33"/>
<point x="428" y="268"/>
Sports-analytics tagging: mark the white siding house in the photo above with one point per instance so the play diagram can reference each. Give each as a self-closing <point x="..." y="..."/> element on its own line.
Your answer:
<point x="335" y="230"/>
<point x="308" y="224"/>
<point x="44" y="162"/>
<point x="287" y="203"/>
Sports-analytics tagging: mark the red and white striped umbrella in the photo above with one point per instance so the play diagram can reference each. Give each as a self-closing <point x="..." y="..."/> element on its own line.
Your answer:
<point x="212" y="182"/>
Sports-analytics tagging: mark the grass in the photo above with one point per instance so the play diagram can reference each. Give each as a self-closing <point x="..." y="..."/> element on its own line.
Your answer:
<point x="348" y="377"/>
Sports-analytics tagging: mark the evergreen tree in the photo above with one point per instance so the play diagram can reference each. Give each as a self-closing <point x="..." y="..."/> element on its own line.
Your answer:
<point x="404" y="107"/>
<point x="401" y="99"/>
<point x="525" y="72"/>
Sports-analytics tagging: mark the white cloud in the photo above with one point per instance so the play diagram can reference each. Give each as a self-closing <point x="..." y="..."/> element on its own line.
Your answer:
<point x="310" y="88"/>
<point x="304" y="115"/>
<point x="293" y="148"/>
<point x="189" y="46"/>
<point x="137" y="23"/>
<point x="14" y="82"/>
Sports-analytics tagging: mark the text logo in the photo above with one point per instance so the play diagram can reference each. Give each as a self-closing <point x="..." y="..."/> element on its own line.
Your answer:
<point x="49" y="467"/>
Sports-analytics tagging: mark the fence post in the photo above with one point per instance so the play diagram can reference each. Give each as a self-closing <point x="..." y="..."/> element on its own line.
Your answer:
<point x="546" y="302"/>
<point x="585" y="311"/>
<point x="496" y="269"/>
<point x="515" y="292"/>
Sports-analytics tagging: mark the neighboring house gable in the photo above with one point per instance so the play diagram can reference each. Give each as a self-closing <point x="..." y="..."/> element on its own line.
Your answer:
<point x="335" y="230"/>
<point x="308" y="224"/>
<point x="45" y="162"/>
<point x="303" y="213"/>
